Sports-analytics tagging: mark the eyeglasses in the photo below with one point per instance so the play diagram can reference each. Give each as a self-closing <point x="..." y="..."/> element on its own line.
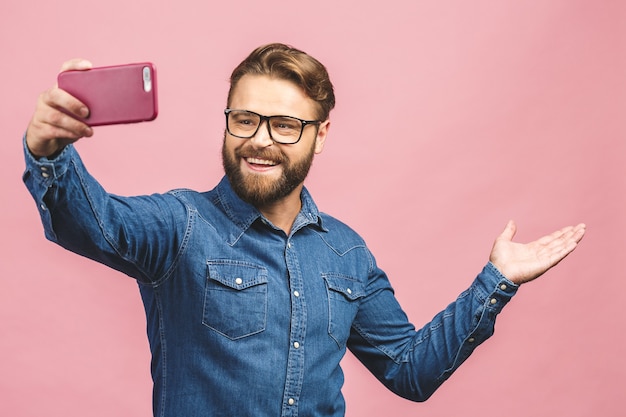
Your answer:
<point x="245" y="124"/>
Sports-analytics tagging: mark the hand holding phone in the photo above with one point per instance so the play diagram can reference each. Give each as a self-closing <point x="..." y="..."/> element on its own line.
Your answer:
<point x="114" y="94"/>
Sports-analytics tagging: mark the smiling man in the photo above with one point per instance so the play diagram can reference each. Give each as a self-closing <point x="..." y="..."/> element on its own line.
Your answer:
<point x="262" y="173"/>
<point x="252" y="295"/>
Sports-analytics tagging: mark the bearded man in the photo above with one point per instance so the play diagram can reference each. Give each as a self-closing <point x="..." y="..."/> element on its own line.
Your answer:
<point x="252" y="295"/>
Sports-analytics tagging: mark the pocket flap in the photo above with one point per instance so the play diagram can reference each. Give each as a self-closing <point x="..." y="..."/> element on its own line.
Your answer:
<point x="351" y="288"/>
<point x="236" y="274"/>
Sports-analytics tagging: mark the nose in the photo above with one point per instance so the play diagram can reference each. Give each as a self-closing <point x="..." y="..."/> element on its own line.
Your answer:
<point x="262" y="138"/>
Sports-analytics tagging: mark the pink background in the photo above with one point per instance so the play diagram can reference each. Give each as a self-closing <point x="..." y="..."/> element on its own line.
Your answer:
<point x="452" y="117"/>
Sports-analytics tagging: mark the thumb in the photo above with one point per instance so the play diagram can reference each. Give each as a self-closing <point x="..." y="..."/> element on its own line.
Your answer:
<point x="76" y="64"/>
<point x="509" y="231"/>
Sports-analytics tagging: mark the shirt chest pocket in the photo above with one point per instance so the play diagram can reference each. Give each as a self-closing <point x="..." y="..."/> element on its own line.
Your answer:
<point x="235" y="298"/>
<point x="344" y="294"/>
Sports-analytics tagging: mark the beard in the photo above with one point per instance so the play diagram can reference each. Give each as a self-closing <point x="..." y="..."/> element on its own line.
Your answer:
<point x="257" y="189"/>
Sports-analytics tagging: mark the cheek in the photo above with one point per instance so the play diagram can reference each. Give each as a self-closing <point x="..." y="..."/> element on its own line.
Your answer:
<point x="230" y="145"/>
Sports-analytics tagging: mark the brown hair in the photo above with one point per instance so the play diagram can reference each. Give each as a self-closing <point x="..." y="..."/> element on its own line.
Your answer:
<point x="288" y="63"/>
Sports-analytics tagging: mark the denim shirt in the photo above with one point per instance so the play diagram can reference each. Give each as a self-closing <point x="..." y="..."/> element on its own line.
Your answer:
<point x="246" y="320"/>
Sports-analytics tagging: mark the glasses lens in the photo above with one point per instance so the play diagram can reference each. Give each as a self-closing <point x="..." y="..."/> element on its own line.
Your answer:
<point x="242" y="123"/>
<point x="285" y="129"/>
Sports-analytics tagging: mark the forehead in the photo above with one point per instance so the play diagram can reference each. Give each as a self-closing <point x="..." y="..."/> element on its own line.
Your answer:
<point x="271" y="96"/>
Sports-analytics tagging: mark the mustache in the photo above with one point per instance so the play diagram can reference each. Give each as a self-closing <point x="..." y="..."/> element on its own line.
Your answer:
<point x="250" y="152"/>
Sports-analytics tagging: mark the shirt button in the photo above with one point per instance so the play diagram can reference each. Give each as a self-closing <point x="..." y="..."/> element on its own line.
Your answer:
<point x="288" y="245"/>
<point x="296" y="293"/>
<point x="493" y="301"/>
<point x="349" y="291"/>
<point x="291" y="401"/>
<point x="471" y="340"/>
<point x="296" y="345"/>
<point x="503" y="287"/>
<point x="238" y="281"/>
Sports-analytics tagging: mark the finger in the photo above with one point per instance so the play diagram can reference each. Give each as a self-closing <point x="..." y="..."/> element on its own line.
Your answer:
<point x="58" y="111"/>
<point x="557" y="254"/>
<point x="579" y="232"/>
<point x="509" y="231"/>
<point x="562" y="246"/>
<point x="57" y="125"/>
<point x="76" y="64"/>
<point x="573" y="236"/>
<point x="555" y="236"/>
<point x="47" y="135"/>
<point x="568" y="232"/>
<point x="61" y="125"/>
<point x="61" y="100"/>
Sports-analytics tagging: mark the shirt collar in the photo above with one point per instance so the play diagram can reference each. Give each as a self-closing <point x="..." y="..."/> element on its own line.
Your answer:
<point x="243" y="214"/>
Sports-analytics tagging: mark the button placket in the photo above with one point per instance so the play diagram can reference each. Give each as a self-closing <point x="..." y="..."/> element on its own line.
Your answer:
<point x="295" y="360"/>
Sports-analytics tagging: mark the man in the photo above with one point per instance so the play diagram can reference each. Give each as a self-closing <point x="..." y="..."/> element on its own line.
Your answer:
<point x="251" y="294"/>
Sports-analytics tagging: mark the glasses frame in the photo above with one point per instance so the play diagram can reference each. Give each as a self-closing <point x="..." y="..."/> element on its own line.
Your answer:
<point x="269" y="129"/>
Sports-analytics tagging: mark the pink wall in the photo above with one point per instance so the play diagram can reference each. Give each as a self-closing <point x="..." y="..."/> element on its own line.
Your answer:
<point x="452" y="117"/>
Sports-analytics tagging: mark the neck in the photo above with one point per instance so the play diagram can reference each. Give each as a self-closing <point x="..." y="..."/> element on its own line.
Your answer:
<point x="283" y="213"/>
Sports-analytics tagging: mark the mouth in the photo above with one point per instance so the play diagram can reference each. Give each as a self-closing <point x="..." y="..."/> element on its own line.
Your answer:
<point x="260" y="162"/>
<point x="260" y="165"/>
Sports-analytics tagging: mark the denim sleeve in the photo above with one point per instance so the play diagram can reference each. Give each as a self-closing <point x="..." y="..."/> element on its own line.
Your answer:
<point x="139" y="236"/>
<point x="413" y="364"/>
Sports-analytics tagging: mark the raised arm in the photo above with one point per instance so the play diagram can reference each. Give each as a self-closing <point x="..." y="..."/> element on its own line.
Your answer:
<point x="50" y="128"/>
<point x="414" y="363"/>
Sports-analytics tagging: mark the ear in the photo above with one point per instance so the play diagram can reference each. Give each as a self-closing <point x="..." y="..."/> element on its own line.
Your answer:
<point x="320" y="139"/>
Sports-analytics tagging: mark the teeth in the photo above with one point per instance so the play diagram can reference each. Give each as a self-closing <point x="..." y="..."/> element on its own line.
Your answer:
<point x="260" y="161"/>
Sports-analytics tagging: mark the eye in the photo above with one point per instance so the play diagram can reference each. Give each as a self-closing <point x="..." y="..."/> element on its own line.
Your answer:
<point x="285" y="124"/>
<point x="245" y="119"/>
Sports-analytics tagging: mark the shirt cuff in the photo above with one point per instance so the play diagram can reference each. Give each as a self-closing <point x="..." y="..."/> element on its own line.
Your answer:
<point x="44" y="171"/>
<point x="493" y="288"/>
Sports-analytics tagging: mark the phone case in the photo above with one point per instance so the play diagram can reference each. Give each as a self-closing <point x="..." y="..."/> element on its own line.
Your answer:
<point x="114" y="94"/>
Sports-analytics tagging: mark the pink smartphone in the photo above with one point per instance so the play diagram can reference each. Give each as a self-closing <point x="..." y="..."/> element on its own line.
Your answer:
<point x="114" y="94"/>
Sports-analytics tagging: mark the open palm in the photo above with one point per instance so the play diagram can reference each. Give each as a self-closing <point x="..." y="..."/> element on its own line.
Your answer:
<point x="521" y="263"/>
